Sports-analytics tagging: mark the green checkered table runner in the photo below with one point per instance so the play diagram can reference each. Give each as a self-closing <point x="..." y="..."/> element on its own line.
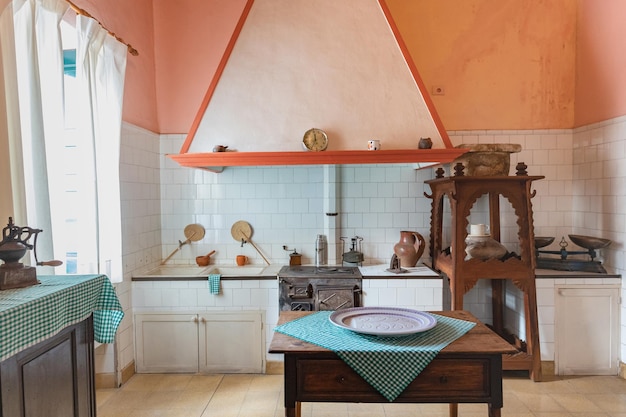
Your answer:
<point x="32" y="314"/>
<point x="389" y="364"/>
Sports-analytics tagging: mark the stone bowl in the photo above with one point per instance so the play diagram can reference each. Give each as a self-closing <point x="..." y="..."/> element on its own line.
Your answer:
<point x="589" y="242"/>
<point x="490" y="159"/>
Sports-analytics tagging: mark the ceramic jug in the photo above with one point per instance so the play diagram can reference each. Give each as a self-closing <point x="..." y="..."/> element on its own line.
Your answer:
<point x="410" y="248"/>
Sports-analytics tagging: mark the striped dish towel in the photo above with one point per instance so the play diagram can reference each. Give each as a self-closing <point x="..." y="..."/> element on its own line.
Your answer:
<point x="214" y="283"/>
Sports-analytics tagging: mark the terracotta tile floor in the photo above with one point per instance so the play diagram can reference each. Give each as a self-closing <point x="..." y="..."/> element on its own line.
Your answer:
<point x="176" y="395"/>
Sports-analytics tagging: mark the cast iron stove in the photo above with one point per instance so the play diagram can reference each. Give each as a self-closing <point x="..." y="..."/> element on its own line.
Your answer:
<point x="314" y="288"/>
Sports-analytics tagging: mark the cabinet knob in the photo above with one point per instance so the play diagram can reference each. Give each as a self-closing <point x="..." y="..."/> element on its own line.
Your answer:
<point x="341" y="379"/>
<point x="194" y="319"/>
<point x="443" y="379"/>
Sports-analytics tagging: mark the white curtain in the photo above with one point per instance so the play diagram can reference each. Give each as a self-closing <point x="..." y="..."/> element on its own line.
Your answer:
<point x="35" y="106"/>
<point x="100" y="69"/>
<point x="32" y="59"/>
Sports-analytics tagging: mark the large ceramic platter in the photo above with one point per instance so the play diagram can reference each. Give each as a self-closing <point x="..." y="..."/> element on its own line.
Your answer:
<point x="383" y="321"/>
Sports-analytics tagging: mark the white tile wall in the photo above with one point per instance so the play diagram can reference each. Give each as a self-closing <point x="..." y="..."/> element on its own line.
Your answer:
<point x="141" y="234"/>
<point x="582" y="193"/>
<point x="599" y="197"/>
<point x="419" y="294"/>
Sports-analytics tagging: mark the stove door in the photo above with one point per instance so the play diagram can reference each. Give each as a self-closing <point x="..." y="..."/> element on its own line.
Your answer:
<point x="336" y="297"/>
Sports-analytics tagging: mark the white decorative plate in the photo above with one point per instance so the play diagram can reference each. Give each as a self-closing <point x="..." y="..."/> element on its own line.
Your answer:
<point x="383" y="321"/>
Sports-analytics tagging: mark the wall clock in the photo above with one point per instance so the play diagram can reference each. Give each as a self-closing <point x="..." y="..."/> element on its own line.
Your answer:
<point x="315" y="140"/>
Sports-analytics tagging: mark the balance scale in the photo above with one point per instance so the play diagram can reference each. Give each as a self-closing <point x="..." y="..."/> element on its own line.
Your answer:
<point x="563" y="263"/>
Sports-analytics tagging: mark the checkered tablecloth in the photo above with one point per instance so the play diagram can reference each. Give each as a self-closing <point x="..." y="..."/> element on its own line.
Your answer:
<point x="389" y="364"/>
<point x="32" y="314"/>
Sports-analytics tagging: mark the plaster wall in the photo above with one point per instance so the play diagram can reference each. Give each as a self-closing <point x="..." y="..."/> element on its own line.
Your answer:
<point x="503" y="65"/>
<point x="498" y="62"/>
<point x="600" y="61"/>
<point x="132" y="21"/>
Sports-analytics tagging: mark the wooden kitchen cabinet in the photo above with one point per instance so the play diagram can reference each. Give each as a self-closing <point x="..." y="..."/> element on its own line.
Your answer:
<point x="586" y="330"/>
<point x="52" y="378"/>
<point x="458" y="195"/>
<point x="200" y="342"/>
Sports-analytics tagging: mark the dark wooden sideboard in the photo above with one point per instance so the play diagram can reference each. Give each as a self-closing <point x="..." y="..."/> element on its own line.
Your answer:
<point x="54" y="378"/>
<point x="469" y="370"/>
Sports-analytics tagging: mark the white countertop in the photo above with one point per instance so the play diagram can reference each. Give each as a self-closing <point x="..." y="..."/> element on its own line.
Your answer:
<point x="381" y="271"/>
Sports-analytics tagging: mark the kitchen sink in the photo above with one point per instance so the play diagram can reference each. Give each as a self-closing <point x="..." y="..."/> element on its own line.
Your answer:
<point x="191" y="271"/>
<point x="237" y="270"/>
<point x="178" y="271"/>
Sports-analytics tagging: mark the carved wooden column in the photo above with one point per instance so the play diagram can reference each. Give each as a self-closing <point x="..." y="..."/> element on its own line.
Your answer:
<point x="462" y="193"/>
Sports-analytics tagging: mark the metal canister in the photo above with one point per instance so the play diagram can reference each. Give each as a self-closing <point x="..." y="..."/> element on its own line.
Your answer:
<point x="321" y="250"/>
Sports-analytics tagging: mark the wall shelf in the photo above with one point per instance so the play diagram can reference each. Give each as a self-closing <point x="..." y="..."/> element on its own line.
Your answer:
<point x="216" y="161"/>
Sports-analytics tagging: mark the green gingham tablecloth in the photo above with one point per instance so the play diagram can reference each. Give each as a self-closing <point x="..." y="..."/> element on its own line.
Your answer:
<point x="32" y="314"/>
<point x="389" y="364"/>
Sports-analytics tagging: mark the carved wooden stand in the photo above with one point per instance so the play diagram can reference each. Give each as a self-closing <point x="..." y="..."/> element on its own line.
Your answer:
<point x="462" y="192"/>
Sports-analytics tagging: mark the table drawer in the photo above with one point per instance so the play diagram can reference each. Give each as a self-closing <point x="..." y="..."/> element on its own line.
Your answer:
<point x="462" y="379"/>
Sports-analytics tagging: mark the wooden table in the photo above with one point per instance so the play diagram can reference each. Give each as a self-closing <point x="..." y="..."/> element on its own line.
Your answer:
<point x="469" y="370"/>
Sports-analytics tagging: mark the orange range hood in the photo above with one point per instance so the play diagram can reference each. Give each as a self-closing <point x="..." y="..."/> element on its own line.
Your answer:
<point x="289" y="67"/>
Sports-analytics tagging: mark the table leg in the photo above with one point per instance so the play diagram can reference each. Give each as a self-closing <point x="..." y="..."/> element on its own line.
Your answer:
<point x="454" y="410"/>
<point x="494" y="411"/>
<point x="292" y="407"/>
<point x="294" y="411"/>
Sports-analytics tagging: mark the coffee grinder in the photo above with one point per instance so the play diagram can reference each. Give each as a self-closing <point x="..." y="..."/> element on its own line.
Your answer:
<point x="14" y="244"/>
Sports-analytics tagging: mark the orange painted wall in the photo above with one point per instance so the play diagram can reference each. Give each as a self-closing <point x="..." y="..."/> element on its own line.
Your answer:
<point x="505" y="64"/>
<point x="498" y="61"/>
<point x="600" y="61"/>
<point x="180" y="43"/>
<point x="132" y="21"/>
<point x="190" y="38"/>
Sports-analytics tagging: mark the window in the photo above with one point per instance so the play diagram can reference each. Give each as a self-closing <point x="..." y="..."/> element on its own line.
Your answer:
<point x="66" y="110"/>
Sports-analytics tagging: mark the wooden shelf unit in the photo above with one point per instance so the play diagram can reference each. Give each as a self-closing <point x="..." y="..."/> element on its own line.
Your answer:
<point x="462" y="193"/>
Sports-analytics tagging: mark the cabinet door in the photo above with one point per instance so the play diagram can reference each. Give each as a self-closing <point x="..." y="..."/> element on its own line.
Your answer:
<point x="232" y="342"/>
<point x="166" y="342"/>
<point x="586" y="330"/>
<point x="54" y="378"/>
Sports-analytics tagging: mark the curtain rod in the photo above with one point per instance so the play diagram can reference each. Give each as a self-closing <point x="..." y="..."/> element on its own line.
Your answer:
<point x="80" y="11"/>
